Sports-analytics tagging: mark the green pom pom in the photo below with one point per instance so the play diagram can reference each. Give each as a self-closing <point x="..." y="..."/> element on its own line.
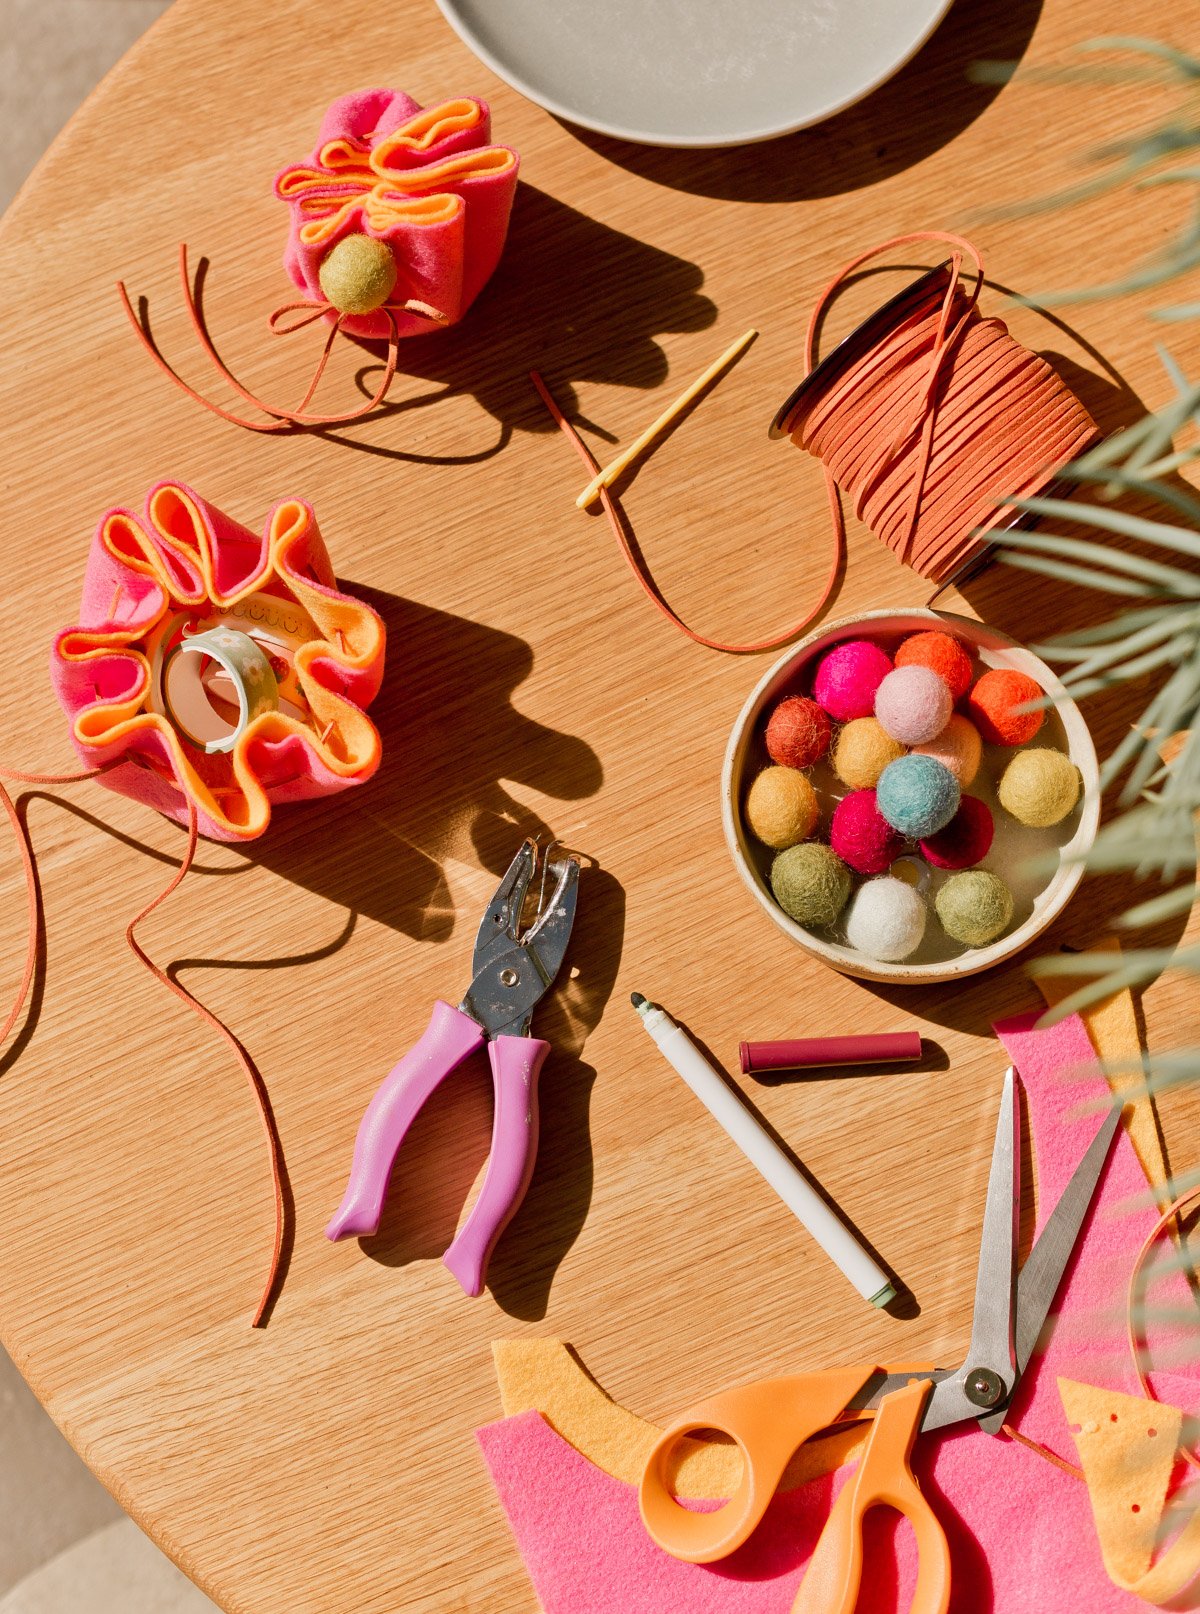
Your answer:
<point x="358" y="275"/>
<point x="974" y="907"/>
<point x="811" y="883"/>
<point x="1040" y="787"/>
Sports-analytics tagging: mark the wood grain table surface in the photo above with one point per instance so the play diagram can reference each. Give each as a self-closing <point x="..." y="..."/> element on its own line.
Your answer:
<point x="327" y="1463"/>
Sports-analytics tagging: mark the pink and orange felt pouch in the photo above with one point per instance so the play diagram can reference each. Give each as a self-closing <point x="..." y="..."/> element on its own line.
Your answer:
<point x="182" y="555"/>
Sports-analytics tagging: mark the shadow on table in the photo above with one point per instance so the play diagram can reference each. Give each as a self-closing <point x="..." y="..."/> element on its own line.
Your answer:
<point x="443" y="1153"/>
<point x="453" y="739"/>
<point x="920" y="109"/>
<point x="571" y="297"/>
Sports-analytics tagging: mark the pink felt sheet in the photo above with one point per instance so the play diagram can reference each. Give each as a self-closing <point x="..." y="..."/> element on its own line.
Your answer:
<point x="1021" y="1532"/>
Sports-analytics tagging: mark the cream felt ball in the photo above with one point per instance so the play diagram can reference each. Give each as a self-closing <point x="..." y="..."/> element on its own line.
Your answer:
<point x="958" y="746"/>
<point x="917" y="795"/>
<point x="1040" y="787"/>
<point x="798" y="732"/>
<point x="974" y="906"/>
<point x="913" y="704"/>
<point x="781" y="807"/>
<point x="358" y="275"/>
<point x="863" y="750"/>
<point x="810" y="883"/>
<point x="848" y="677"/>
<point x="886" y="920"/>
<point x="861" y="836"/>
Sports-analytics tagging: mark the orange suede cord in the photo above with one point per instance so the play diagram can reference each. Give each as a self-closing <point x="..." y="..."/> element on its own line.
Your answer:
<point x="252" y="1076"/>
<point x="638" y="567"/>
<point x="940" y="423"/>
<point x="280" y="418"/>
<point x="1136" y="1335"/>
<point x="1036" y="1447"/>
<point x="931" y="431"/>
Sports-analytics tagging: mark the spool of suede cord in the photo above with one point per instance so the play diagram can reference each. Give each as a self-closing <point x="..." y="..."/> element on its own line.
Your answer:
<point x="930" y="418"/>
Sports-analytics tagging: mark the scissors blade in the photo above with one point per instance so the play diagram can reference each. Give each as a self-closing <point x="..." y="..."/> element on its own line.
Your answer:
<point x="992" y="1349"/>
<point x="1043" y="1271"/>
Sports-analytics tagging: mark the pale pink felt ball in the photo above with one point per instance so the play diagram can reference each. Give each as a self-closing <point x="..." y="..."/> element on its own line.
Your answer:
<point x="848" y="677"/>
<point x="913" y="704"/>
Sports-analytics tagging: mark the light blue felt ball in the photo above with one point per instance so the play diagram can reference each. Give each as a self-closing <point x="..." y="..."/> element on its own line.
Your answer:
<point x="918" y="795"/>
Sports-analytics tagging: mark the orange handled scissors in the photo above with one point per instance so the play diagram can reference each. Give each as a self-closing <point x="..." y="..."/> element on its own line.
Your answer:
<point x="770" y="1420"/>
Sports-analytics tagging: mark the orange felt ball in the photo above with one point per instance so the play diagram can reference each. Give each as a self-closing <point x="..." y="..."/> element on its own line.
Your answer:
<point x="942" y="655"/>
<point x="798" y="732"/>
<point x="994" y="707"/>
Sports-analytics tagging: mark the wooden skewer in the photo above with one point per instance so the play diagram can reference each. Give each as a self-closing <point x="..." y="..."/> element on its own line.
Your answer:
<point x="611" y="472"/>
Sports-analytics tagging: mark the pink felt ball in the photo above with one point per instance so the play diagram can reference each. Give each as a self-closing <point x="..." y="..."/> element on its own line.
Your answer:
<point x="913" y="704"/>
<point x="861" y="836"/>
<point x="848" y="677"/>
<point x="798" y="733"/>
<point x="966" y="839"/>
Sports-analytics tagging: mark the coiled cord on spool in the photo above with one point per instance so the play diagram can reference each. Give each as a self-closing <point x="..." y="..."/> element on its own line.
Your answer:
<point x="929" y="417"/>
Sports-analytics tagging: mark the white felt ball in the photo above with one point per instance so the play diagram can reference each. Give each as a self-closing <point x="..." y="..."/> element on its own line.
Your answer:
<point x="913" y="704"/>
<point x="886" y="919"/>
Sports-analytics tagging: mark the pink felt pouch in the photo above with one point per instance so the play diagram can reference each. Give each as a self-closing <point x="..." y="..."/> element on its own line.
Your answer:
<point x="183" y="568"/>
<point x="425" y="181"/>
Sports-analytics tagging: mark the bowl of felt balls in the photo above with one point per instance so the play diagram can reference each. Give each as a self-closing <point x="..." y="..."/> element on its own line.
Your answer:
<point x="900" y="804"/>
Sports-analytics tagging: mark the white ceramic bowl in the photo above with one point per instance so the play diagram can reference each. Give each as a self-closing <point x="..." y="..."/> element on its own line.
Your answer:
<point x="1039" y="898"/>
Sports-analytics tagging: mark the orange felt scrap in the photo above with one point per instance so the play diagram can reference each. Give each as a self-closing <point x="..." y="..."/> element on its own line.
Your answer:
<point x="1128" y="1446"/>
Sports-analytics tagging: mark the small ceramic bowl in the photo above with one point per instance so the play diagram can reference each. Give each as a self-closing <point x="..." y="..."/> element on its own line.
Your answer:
<point x="1039" y="898"/>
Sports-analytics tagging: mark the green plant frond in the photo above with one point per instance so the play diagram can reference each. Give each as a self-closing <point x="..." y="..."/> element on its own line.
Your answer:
<point x="1167" y="622"/>
<point x="1138" y="969"/>
<point x="1166" y="655"/>
<point x="1045" y="567"/>
<point x="1076" y="645"/>
<point x="1172" y="580"/>
<point x="1184" y="540"/>
<point x="1178" y="313"/>
<point x="1173" y="708"/>
<point x="1141" y="45"/>
<point x="1157" y="909"/>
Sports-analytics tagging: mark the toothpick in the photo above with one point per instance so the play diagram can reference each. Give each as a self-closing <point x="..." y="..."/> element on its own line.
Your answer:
<point x="611" y="472"/>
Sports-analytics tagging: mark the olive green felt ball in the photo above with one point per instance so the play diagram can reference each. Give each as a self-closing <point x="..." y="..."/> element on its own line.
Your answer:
<point x="1040" y="787"/>
<point x="974" y="907"/>
<point x="781" y="807"/>
<point x="358" y="274"/>
<point x="811" y="883"/>
<point x="864" y="749"/>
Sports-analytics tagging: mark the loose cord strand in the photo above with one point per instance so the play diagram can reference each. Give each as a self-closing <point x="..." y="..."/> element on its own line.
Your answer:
<point x="639" y="569"/>
<point x="253" y="1078"/>
<point x="1134" y="1333"/>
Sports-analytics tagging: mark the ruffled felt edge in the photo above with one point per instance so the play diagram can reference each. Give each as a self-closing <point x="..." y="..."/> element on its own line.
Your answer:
<point x="187" y="553"/>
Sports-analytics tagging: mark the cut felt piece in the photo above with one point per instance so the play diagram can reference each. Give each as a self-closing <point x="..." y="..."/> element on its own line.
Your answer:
<point x="427" y="181"/>
<point x="1113" y="1027"/>
<point x="1127" y="1446"/>
<point x="1021" y="1533"/>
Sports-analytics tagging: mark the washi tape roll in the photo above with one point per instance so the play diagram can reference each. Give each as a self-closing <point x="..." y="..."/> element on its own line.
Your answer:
<point x="277" y="625"/>
<point x="188" y="700"/>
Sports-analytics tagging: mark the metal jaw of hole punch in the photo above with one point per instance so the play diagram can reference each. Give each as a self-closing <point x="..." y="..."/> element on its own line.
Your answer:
<point x="512" y="972"/>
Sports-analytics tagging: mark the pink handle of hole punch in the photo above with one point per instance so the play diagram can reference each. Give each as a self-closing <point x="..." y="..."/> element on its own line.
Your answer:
<point x="516" y="1064"/>
<point x="447" y="1040"/>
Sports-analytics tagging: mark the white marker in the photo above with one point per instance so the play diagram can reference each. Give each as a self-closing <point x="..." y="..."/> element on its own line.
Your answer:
<point x="718" y="1098"/>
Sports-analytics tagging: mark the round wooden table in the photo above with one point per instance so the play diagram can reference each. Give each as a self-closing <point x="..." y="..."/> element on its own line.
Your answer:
<point x="326" y="1462"/>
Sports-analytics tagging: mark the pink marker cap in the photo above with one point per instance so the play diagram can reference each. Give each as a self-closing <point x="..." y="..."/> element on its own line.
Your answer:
<point x="803" y="1053"/>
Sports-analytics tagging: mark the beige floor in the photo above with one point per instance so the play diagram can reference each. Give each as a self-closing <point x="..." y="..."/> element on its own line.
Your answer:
<point x="65" y="1545"/>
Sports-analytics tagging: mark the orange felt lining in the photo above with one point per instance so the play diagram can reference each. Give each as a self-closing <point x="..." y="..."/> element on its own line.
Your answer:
<point x="345" y="740"/>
